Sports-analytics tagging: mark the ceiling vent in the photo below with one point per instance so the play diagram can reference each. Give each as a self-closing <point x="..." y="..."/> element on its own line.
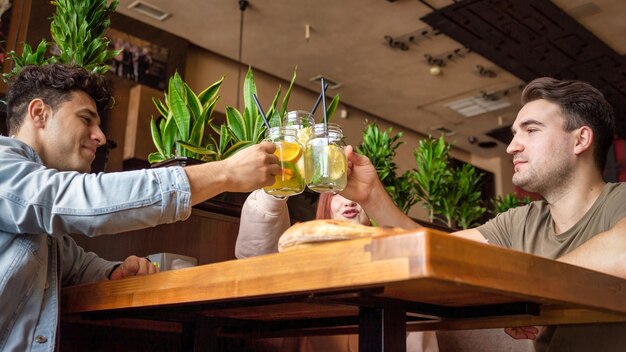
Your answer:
<point x="149" y="10"/>
<point x="477" y="105"/>
<point x="443" y="130"/>
<point x="332" y="84"/>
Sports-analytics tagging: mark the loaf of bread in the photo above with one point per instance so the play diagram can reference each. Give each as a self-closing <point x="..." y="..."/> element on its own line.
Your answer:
<point x="313" y="232"/>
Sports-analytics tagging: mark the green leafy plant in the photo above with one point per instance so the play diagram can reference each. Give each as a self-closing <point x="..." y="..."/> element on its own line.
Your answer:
<point x="380" y="147"/>
<point x="432" y="173"/>
<point x="466" y="183"/>
<point x="453" y="195"/>
<point x="77" y="30"/>
<point x="509" y="201"/>
<point x="185" y="116"/>
<point x="28" y="57"/>
<point x="183" y="132"/>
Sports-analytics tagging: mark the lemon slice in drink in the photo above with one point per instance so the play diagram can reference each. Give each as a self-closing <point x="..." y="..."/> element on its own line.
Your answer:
<point x="288" y="151"/>
<point x="304" y="134"/>
<point x="337" y="161"/>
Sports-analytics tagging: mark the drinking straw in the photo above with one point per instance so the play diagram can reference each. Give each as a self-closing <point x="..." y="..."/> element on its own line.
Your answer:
<point x="258" y="106"/>
<point x="324" y="104"/>
<point x="317" y="102"/>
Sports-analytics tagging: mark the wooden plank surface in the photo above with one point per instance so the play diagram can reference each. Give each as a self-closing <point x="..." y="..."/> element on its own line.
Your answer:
<point x="423" y="266"/>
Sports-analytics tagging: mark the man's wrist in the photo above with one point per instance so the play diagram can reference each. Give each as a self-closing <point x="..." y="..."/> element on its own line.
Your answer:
<point x="113" y="269"/>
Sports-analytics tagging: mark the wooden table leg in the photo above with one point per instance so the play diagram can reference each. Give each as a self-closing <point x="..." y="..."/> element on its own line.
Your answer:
<point x="382" y="329"/>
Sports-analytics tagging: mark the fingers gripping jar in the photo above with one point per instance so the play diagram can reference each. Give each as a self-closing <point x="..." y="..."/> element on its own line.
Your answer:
<point x="290" y="180"/>
<point x="325" y="162"/>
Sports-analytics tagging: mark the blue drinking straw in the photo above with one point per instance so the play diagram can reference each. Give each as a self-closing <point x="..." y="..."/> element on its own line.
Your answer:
<point x="258" y="106"/>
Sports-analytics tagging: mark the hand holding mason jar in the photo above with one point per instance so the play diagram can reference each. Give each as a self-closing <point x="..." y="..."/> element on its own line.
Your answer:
<point x="308" y="152"/>
<point x="290" y="180"/>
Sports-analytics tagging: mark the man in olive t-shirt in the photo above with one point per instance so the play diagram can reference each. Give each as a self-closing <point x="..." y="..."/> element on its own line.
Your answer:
<point x="561" y="138"/>
<point x="530" y="229"/>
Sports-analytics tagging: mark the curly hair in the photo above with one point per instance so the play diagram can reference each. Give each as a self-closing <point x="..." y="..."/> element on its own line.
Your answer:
<point x="53" y="84"/>
<point x="581" y="105"/>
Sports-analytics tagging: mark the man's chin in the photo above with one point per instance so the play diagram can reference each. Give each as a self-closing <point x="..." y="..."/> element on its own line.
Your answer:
<point x="524" y="185"/>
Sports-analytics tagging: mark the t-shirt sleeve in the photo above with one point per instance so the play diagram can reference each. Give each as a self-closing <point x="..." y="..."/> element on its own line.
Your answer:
<point x="499" y="230"/>
<point x="616" y="205"/>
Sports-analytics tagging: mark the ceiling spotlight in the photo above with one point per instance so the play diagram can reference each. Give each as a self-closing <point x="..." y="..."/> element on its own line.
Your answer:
<point x="434" y="70"/>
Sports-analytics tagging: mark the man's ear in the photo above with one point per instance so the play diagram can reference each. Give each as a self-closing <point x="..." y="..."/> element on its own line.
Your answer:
<point x="584" y="139"/>
<point x="38" y="112"/>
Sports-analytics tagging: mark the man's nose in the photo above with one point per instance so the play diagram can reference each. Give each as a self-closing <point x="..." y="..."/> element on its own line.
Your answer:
<point x="514" y="146"/>
<point x="99" y="136"/>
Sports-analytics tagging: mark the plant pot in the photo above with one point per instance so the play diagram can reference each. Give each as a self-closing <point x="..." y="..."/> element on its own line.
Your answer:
<point x="226" y="203"/>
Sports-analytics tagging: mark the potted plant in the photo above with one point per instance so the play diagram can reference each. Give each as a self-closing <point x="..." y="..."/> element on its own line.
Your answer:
<point x="431" y="157"/>
<point x="77" y="30"/>
<point x="450" y="195"/>
<point x="380" y="147"/>
<point x="182" y="135"/>
<point x="179" y="134"/>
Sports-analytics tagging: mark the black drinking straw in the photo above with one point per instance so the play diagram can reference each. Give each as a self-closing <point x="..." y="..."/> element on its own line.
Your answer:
<point x="317" y="102"/>
<point x="258" y="106"/>
<point x="324" y="105"/>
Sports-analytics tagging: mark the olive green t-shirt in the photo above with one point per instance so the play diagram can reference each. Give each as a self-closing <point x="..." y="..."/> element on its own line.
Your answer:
<point x="530" y="229"/>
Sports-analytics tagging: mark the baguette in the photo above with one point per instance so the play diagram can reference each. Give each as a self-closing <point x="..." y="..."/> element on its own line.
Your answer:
<point x="306" y="234"/>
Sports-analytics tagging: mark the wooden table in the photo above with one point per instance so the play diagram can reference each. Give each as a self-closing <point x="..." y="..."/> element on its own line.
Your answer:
<point x="423" y="280"/>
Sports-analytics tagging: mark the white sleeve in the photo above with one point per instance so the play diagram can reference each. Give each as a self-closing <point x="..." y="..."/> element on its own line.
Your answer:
<point x="263" y="219"/>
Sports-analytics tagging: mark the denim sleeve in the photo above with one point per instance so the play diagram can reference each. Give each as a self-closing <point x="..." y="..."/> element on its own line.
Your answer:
<point x="79" y="266"/>
<point x="36" y="199"/>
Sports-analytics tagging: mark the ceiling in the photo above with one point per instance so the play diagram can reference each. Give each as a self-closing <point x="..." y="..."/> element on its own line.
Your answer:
<point x="365" y="45"/>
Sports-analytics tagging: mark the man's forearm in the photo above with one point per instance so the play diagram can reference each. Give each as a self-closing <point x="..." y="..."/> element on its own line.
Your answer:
<point x="248" y="169"/>
<point x="605" y="252"/>
<point x="206" y="181"/>
<point x="381" y="208"/>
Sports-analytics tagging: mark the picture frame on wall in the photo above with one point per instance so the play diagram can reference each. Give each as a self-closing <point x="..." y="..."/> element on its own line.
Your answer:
<point x="149" y="55"/>
<point x="5" y="16"/>
<point x="140" y="60"/>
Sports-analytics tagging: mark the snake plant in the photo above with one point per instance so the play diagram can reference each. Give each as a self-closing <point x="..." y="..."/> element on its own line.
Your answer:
<point x="185" y="117"/>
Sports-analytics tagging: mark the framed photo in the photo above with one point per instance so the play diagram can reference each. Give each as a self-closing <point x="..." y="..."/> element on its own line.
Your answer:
<point x="140" y="60"/>
<point x="5" y="16"/>
<point x="149" y="55"/>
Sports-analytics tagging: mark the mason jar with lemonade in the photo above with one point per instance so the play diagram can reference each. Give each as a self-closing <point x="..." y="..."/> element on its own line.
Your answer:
<point x="290" y="180"/>
<point x="325" y="162"/>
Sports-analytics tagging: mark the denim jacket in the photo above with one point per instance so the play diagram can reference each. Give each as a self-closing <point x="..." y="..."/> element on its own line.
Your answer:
<point x="39" y="207"/>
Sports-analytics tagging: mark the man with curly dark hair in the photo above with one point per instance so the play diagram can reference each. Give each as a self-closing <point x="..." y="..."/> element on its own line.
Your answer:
<point x="47" y="193"/>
